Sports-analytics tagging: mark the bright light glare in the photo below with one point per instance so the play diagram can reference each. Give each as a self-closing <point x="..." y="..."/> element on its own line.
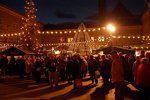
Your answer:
<point x="57" y="52"/>
<point x="111" y="28"/>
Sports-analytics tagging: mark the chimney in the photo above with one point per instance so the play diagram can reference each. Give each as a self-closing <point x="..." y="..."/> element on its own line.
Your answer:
<point x="102" y="10"/>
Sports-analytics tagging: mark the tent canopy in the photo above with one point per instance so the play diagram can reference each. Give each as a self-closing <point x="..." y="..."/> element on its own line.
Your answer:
<point x="13" y="51"/>
<point x="108" y="50"/>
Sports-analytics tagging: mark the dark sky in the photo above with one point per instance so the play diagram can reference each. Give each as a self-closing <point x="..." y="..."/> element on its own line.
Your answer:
<point x="59" y="11"/>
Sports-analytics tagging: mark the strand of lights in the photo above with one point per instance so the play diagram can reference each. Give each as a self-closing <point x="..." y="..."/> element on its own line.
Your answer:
<point x="133" y="37"/>
<point x="12" y="34"/>
<point x="9" y="45"/>
<point x="71" y="31"/>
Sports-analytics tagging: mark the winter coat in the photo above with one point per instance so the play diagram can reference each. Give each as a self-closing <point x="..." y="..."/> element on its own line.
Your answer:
<point x="143" y="76"/>
<point x="117" y="70"/>
<point x="28" y="67"/>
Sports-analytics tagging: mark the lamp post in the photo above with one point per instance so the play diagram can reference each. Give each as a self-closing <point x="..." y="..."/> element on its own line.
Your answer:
<point x="111" y="29"/>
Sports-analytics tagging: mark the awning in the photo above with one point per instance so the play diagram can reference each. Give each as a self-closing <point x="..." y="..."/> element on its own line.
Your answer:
<point x="14" y="51"/>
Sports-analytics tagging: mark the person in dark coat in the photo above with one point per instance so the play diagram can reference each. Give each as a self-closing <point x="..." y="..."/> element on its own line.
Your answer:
<point x="105" y="69"/>
<point x="93" y="66"/>
<point x="76" y="73"/>
<point x="53" y="74"/>
<point x="61" y="68"/>
<point x="132" y="59"/>
<point x="11" y="66"/>
<point x="38" y="67"/>
<point x="4" y="64"/>
<point x="69" y="70"/>
<point x="20" y="63"/>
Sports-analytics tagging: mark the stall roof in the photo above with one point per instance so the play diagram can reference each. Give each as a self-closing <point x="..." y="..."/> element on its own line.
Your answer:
<point x="14" y="51"/>
<point x="109" y="49"/>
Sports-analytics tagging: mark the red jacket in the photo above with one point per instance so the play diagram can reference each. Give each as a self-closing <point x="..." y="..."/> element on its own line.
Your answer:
<point x="143" y="76"/>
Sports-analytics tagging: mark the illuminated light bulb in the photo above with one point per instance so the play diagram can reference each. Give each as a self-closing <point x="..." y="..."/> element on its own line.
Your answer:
<point x="56" y="32"/>
<point x="69" y="31"/>
<point x="8" y="34"/>
<point x="124" y="36"/>
<point x="47" y="32"/>
<point x="99" y="29"/>
<point x="52" y="32"/>
<point x="60" y="32"/>
<point x="93" y="29"/>
<point x="119" y="37"/>
<point x="65" y="32"/>
<point x="74" y="31"/>
<point x="89" y="30"/>
<point x="129" y="37"/>
<point x="79" y="30"/>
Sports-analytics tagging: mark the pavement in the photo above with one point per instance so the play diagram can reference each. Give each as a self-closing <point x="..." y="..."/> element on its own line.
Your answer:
<point x="14" y="88"/>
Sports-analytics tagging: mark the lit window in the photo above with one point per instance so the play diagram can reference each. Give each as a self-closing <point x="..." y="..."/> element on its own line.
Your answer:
<point x="70" y="40"/>
<point x="100" y="39"/>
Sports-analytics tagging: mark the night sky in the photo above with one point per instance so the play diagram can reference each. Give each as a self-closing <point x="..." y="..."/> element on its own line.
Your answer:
<point x="60" y="11"/>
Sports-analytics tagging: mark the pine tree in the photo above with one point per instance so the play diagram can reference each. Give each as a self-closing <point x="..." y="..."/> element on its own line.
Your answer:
<point x="30" y="28"/>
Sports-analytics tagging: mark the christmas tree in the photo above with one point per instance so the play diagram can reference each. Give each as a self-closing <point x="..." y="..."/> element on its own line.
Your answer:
<point x="30" y="28"/>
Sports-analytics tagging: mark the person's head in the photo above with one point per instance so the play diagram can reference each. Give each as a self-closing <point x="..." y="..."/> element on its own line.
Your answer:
<point x="132" y="54"/>
<point x="38" y="59"/>
<point x="114" y="54"/>
<point x="103" y="57"/>
<point x="148" y="55"/>
<point x="91" y="57"/>
<point x="19" y="57"/>
<point x="144" y="61"/>
<point x="51" y="57"/>
<point x="28" y="58"/>
<point x="120" y="54"/>
<point x="137" y="58"/>
<point x="75" y="57"/>
<point x="69" y="58"/>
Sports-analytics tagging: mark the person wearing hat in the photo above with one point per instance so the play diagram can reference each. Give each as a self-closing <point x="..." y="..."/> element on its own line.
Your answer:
<point x="117" y="74"/>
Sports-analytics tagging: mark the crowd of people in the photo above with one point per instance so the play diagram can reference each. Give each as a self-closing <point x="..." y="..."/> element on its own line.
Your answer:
<point x="113" y="68"/>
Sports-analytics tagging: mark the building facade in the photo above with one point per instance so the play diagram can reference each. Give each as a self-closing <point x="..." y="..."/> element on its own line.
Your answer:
<point x="60" y="39"/>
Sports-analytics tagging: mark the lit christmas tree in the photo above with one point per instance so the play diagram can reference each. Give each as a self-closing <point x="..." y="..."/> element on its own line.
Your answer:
<point x="30" y="28"/>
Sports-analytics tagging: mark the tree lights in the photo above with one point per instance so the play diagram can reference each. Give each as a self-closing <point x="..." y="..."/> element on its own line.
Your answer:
<point x="29" y="28"/>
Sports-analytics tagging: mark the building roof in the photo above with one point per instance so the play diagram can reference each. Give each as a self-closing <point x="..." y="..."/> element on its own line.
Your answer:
<point x="11" y="11"/>
<point x="69" y="26"/>
<point x="123" y="16"/>
<point x="120" y="14"/>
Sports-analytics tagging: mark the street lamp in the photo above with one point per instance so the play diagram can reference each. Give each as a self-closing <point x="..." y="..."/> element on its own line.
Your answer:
<point x="111" y="29"/>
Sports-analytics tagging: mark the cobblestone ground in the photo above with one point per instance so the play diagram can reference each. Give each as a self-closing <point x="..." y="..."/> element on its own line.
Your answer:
<point x="13" y="88"/>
